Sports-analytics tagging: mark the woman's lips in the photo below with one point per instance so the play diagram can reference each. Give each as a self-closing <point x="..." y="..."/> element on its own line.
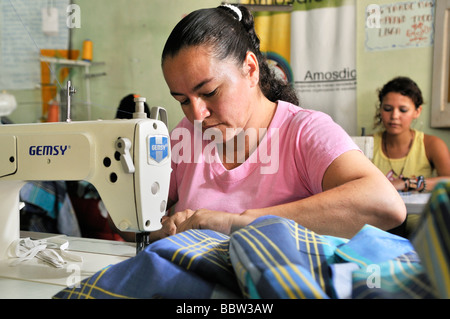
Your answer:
<point x="208" y="126"/>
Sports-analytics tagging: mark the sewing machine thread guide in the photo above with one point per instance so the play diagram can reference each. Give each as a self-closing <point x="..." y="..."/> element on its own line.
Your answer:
<point x="70" y="91"/>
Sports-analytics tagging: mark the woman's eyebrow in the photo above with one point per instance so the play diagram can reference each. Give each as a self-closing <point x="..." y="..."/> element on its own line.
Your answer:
<point x="201" y="84"/>
<point x="196" y="88"/>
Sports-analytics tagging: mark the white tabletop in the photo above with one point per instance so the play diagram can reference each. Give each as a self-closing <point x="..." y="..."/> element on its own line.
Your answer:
<point x="35" y="279"/>
<point x="415" y="202"/>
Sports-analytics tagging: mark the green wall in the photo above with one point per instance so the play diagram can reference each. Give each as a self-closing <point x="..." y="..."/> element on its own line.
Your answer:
<point x="128" y="35"/>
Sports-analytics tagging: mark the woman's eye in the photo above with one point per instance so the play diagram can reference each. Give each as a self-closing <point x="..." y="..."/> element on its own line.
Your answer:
<point x="211" y="93"/>
<point x="185" y="102"/>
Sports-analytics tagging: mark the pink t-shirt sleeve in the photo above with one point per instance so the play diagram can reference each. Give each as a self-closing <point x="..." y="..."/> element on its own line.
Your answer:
<point x="319" y="141"/>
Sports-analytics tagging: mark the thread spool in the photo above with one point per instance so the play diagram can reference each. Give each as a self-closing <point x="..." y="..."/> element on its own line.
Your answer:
<point x="53" y="112"/>
<point x="87" y="50"/>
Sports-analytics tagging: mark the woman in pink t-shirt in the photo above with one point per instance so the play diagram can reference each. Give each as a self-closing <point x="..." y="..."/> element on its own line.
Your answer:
<point x="245" y="149"/>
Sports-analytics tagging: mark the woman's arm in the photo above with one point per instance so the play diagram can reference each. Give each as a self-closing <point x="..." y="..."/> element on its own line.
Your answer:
<point x="439" y="156"/>
<point x="355" y="193"/>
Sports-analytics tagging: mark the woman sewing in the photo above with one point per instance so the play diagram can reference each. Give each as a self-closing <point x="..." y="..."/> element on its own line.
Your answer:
<point x="412" y="160"/>
<point x="213" y="66"/>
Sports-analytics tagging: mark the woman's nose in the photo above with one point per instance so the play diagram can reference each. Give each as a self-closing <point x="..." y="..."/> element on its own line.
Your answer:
<point x="395" y="113"/>
<point x="200" y="110"/>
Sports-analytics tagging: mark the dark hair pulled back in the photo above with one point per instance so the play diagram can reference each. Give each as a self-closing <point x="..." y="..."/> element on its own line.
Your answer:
<point x="220" y="29"/>
<point x="402" y="85"/>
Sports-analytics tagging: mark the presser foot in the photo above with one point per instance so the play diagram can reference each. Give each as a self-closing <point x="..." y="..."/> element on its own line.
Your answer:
<point x="142" y="241"/>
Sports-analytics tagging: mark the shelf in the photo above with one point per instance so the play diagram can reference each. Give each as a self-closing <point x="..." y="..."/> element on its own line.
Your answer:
<point x="77" y="63"/>
<point x="67" y="62"/>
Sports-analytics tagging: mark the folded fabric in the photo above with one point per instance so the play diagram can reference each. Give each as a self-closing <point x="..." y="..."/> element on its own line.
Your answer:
<point x="270" y="258"/>
<point x="364" y="247"/>
<point x="277" y="258"/>
<point x="432" y="239"/>
<point x="400" y="278"/>
<point x="189" y="265"/>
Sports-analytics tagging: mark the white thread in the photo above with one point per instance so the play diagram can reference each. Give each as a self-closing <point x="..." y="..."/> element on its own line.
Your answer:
<point x="235" y="9"/>
<point x="25" y="249"/>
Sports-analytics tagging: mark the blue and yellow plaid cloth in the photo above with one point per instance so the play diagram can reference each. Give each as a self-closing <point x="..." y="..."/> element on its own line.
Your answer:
<point x="432" y="239"/>
<point x="278" y="258"/>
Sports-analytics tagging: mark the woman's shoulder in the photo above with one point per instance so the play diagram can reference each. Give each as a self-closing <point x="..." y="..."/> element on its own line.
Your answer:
<point x="301" y="115"/>
<point x="435" y="147"/>
<point x="434" y="142"/>
<point x="289" y="115"/>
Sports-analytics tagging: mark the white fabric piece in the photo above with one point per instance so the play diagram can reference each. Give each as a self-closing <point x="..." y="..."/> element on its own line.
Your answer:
<point x="25" y="249"/>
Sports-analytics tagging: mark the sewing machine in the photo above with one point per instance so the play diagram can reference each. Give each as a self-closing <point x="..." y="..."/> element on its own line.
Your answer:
<point x="128" y="162"/>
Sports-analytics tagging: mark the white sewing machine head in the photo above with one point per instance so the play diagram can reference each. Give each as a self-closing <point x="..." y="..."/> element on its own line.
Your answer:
<point x="128" y="161"/>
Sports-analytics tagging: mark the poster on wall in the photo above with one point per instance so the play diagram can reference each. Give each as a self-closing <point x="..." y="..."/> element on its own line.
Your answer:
<point x="274" y="31"/>
<point x="400" y="25"/>
<point x="323" y="58"/>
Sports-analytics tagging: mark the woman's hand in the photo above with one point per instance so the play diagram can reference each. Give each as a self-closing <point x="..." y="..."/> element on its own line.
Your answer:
<point x="200" y="219"/>
<point x="399" y="184"/>
<point x="170" y="224"/>
<point x="208" y="219"/>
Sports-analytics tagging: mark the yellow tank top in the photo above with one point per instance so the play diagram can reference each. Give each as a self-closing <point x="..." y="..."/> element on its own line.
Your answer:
<point x="414" y="164"/>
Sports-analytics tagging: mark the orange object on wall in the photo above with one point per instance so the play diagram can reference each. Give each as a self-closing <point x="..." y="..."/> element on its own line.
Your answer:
<point x="87" y="50"/>
<point x="53" y="111"/>
<point x="50" y="90"/>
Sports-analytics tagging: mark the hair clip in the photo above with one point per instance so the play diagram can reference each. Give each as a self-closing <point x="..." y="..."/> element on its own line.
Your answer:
<point x="235" y="10"/>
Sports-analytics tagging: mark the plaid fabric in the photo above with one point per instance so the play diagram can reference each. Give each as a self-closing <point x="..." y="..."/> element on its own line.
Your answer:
<point x="399" y="278"/>
<point x="432" y="239"/>
<point x="277" y="258"/>
<point x="49" y="196"/>
<point x="271" y="258"/>
<point x="189" y="265"/>
<point x="52" y="200"/>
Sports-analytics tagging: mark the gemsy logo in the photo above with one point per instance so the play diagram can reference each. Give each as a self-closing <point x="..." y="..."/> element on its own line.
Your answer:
<point x="48" y="150"/>
<point x="159" y="148"/>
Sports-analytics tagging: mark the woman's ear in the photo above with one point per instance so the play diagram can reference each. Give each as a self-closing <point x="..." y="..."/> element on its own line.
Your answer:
<point x="418" y="111"/>
<point x="251" y="68"/>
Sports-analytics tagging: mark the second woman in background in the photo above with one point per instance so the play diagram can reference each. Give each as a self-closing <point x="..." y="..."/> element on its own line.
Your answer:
<point x="410" y="159"/>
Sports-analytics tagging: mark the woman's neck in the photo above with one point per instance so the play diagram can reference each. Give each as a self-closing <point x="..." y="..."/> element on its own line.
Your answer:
<point x="252" y="134"/>
<point x="398" y="145"/>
